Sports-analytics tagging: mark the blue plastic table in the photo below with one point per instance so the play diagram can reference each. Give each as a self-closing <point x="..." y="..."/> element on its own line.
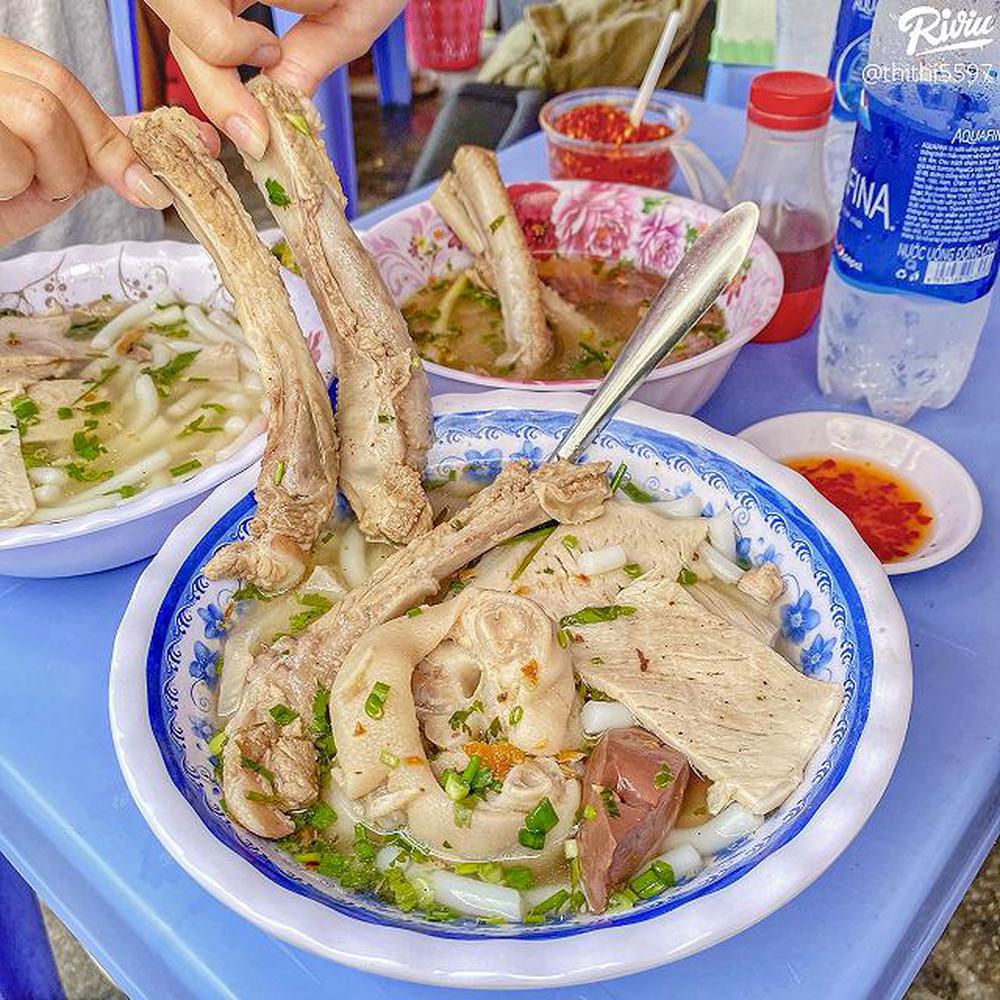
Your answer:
<point x="862" y="930"/>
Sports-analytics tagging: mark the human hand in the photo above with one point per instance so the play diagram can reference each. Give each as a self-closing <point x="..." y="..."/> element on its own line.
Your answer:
<point x="56" y="145"/>
<point x="209" y="41"/>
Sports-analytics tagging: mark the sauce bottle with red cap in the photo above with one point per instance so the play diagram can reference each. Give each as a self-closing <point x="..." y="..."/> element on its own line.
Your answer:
<point x="782" y="169"/>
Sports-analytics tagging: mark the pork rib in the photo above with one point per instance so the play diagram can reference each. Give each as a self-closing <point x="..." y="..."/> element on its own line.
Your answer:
<point x="293" y="669"/>
<point x="297" y="486"/>
<point x="384" y="411"/>
<point x="473" y="201"/>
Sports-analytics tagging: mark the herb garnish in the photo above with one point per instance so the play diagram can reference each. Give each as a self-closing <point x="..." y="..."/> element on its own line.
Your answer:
<point x="593" y="615"/>
<point x="166" y="375"/>
<point x="282" y="714"/>
<point x="276" y="194"/>
<point x="185" y="467"/>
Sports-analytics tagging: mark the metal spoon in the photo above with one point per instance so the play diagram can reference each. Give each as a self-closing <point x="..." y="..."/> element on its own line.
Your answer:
<point x="697" y="281"/>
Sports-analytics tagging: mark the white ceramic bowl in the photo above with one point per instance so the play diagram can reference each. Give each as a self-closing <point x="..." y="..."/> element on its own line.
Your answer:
<point x="841" y="622"/>
<point x="614" y="222"/>
<point x="950" y="491"/>
<point x="135" y="528"/>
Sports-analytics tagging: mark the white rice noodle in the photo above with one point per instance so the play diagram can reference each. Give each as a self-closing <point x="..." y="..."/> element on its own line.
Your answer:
<point x="734" y="822"/>
<point x="722" y="534"/>
<point x="48" y="475"/>
<point x="353" y="563"/>
<point x="235" y="401"/>
<point x="47" y="494"/>
<point x="687" y="506"/>
<point x="234" y="424"/>
<point x="203" y="326"/>
<point x="161" y="354"/>
<point x="166" y="317"/>
<point x="188" y="403"/>
<point x="599" y="561"/>
<point x="387" y="856"/>
<point x="134" y="474"/>
<point x="253" y="382"/>
<point x="684" y="861"/>
<point x="478" y="899"/>
<point x="134" y="315"/>
<point x="718" y="564"/>
<point x="77" y="508"/>
<point x="147" y="401"/>
<point x="599" y="716"/>
<point x="224" y="321"/>
<point x="251" y="431"/>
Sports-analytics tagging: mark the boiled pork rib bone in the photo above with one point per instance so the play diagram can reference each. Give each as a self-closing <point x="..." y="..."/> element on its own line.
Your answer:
<point x="473" y="201"/>
<point x="297" y="487"/>
<point x="292" y="671"/>
<point x="383" y="401"/>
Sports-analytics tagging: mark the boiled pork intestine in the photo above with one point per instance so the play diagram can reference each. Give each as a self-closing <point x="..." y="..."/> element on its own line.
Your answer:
<point x="385" y="756"/>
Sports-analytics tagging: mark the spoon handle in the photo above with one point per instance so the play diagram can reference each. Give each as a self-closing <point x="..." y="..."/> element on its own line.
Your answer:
<point x="697" y="281"/>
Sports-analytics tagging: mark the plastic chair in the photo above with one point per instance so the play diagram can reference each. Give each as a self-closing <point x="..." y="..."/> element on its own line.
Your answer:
<point x="27" y="968"/>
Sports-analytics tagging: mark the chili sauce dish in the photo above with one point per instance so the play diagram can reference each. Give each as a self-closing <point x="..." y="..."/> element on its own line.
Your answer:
<point x="913" y="503"/>
<point x="127" y="392"/>
<point x="506" y="759"/>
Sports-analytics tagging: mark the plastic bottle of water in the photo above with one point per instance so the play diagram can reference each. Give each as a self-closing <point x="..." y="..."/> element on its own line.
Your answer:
<point x="847" y="59"/>
<point x="915" y="256"/>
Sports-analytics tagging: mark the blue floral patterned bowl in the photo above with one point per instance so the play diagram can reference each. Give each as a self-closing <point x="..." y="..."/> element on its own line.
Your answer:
<point x="840" y="621"/>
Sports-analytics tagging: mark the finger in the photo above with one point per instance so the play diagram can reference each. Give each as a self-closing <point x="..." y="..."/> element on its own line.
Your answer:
<point x="317" y="45"/>
<point x="213" y="32"/>
<point x="37" y="117"/>
<point x="224" y="99"/>
<point x="206" y="132"/>
<point x="31" y="211"/>
<point x="107" y="150"/>
<point x="17" y="165"/>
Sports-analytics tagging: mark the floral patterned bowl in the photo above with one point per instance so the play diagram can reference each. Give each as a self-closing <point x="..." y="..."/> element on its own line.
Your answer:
<point x="127" y="272"/>
<point x="840" y="621"/>
<point x="615" y="222"/>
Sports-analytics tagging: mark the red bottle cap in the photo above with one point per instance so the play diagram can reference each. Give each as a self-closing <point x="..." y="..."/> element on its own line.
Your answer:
<point x="790" y="101"/>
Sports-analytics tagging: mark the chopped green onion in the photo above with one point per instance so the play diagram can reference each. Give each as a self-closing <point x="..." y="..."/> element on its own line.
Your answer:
<point x="531" y="838"/>
<point x="414" y="612"/>
<point x="490" y="871"/>
<point x="542" y="818"/>
<point x="518" y="878"/>
<point x="619" y="477"/>
<point x="593" y="615"/>
<point x="610" y="802"/>
<point x="532" y="552"/>
<point x="389" y="759"/>
<point x="664" y="872"/>
<point x="198" y="426"/>
<point x="571" y="542"/>
<point x="646" y="884"/>
<point x="497" y="223"/>
<point x="102" y="406"/>
<point x="261" y="798"/>
<point x="571" y="849"/>
<point x="632" y="570"/>
<point x="276" y="194"/>
<point x="636" y="493"/>
<point x="298" y="122"/>
<point x="589" y="812"/>
<point x="516" y="714"/>
<point x="375" y="702"/>
<point x="82" y="475"/>
<point x="88" y="447"/>
<point x="550" y="904"/>
<point x="471" y="769"/>
<point x="279" y="473"/>
<point x="455" y="788"/>
<point x="563" y="637"/>
<point x="458" y="719"/>
<point x="217" y="407"/>
<point x="126" y="492"/>
<point x="462" y="815"/>
<point x="321" y="815"/>
<point x="216" y="743"/>
<point x="105" y="375"/>
<point x="64" y="413"/>
<point x="184" y="468"/>
<point x="542" y="532"/>
<point x="386" y="418"/>
<point x="316" y="605"/>
<point x="687" y="577"/>
<point x="663" y="777"/>
<point x="166" y="375"/>
<point x="282" y="714"/>
<point x="249" y="764"/>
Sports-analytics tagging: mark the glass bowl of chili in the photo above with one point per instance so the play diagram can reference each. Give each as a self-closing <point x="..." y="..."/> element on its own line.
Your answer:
<point x="589" y="136"/>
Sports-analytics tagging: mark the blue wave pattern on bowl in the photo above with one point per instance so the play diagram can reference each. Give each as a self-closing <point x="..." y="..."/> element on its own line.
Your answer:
<point x="823" y="625"/>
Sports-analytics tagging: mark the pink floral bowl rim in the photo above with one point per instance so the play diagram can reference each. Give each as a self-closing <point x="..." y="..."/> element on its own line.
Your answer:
<point x="615" y="222"/>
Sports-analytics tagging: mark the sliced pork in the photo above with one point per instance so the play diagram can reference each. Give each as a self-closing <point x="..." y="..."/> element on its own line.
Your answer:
<point x="35" y="347"/>
<point x="297" y="487"/>
<point x="633" y="788"/>
<point x="293" y="670"/>
<point x="743" y="716"/>
<point x="383" y="401"/>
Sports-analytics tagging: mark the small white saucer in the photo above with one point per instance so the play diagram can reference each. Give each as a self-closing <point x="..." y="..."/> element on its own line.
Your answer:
<point x="950" y="492"/>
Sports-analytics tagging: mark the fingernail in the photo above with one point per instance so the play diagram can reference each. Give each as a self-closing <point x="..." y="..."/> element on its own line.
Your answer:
<point x="267" y="55"/>
<point x="246" y="135"/>
<point x="150" y="191"/>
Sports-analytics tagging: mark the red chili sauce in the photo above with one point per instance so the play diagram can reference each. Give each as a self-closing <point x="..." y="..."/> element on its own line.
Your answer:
<point x="888" y="513"/>
<point x="605" y="123"/>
